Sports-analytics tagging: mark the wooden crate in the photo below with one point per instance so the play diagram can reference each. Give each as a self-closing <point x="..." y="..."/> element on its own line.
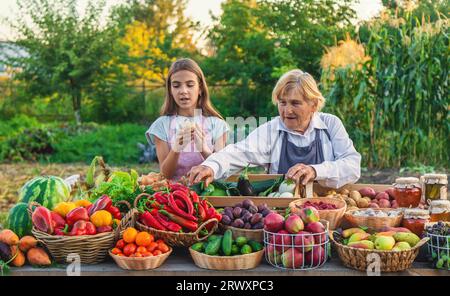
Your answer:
<point x="283" y="202"/>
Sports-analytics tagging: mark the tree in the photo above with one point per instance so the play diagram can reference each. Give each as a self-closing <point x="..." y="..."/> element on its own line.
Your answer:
<point x="306" y="27"/>
<point x="66" y="52"/>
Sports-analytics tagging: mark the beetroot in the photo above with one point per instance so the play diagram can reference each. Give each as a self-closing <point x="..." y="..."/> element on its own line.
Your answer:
<point x="273" y="222"/>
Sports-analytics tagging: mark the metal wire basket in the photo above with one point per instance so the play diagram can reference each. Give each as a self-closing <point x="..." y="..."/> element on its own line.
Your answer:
<point x="439" y="250"/>
<point x="303" y="251"/>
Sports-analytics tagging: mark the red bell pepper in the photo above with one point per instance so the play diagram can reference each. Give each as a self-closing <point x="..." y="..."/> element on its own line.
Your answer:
<point x="150" y="221"/>
<point x="82" y="227"/>
<point x="103" y="203"/>
<point x="57" y="220"/>
<point x="171" y="226"/>
<point x="190" y="225"/>
<point x="102" y="229"/>
<point x="179" y="211"/>
<point x="42" y="219"/>
<point x="77" y="214"/>
<point x="61" y="230"/>
<point x="115" y="212"/>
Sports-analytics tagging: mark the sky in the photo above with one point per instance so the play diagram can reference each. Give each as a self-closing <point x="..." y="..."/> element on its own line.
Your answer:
<point x="198" y="10"/>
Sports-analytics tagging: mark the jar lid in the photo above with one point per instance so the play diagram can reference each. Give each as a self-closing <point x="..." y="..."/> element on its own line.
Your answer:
<point x="441" y="178"/>
<point x="416" y="214"/>
<point x="439" y="206"/>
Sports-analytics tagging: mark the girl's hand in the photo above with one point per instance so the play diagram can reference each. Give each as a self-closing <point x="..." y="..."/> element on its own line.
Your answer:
<point x="301" y="173"/>
<point x="200" y="141"/>
<point x="182" y="139"/>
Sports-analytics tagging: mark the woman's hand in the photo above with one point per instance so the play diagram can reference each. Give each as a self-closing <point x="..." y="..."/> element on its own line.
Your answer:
<point x="199" y="173"/>
<point x="301" y="173"/>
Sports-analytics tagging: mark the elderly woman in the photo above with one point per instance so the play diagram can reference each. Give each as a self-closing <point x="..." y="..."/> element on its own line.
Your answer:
<point x="301" y="142"/>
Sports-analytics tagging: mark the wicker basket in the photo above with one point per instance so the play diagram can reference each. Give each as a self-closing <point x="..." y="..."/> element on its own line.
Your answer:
<point x="251" y="234"/>
<point x="92" y="249"/>
<point x="173" y="238"/>
<point x="238" y="262"/>
<point x="391" y="261"/>
<point x="374" y="223"/>
<point x="144" y="263"/>
<point x="334" y="217"/>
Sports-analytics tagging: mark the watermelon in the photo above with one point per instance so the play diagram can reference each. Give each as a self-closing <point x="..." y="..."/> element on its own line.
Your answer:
<point x="48" y="191"/>
<point x="19" y="220"/>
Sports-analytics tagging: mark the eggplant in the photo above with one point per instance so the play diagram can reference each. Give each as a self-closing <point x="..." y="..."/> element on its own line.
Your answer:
<point x="244" y="186"/>
<point x="5" y="252"/>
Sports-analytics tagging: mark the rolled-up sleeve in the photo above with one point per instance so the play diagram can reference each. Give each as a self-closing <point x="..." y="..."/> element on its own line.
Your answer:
<point x="346" y="166"/>
<point x="253" y="150"/>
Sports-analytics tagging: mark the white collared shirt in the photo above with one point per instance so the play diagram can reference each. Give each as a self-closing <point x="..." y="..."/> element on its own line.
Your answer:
<point x="262" y="147"/>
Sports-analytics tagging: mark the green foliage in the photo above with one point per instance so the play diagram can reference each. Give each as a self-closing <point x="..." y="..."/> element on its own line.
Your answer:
<point x="116" y="143"/>
<point x="396" y="103"/>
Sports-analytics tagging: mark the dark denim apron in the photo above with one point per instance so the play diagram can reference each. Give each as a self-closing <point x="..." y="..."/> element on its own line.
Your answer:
<point x="291" y="155"/>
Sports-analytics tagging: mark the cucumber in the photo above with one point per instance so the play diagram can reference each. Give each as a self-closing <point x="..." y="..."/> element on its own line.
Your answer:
<point x="234" y="249"/>
<point x="256" y="246"/>
<point x="213" y="247"/>
<point x="199" y="247"/>
<point x="227" y="241"/>
<point x="214" y="237"/>
<point x="240" y="241"/>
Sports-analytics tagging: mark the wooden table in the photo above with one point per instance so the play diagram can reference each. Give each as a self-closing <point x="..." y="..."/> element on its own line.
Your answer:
<point x="180" y="264"/>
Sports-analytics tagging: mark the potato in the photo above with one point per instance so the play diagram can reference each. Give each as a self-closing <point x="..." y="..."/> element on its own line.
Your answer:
<point x="363" y="203"/>
<point x="368" y="199"/>
<point x="355" y="195"/>
<point x="345" y="192"/>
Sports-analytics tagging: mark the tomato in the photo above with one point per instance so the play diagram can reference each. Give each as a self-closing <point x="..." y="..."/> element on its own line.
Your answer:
<point x="144" y="239"/>
<point x="141" y="250"/>
<point x="129" y="249"/>
<point x="159" y="241"/>
<point x="152" y="246"/>
<point x="157" y="252"/>
<point x="129" y="235"/>
<point x="163" y="247"/>
<point x="116" y="251"/>
<point x="120" y="244"/>
<point x="146" y="254"/>
<point x="137" y="255"/>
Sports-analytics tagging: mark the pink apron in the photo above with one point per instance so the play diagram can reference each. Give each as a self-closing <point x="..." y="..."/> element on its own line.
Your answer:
<point x="189" y="157"/>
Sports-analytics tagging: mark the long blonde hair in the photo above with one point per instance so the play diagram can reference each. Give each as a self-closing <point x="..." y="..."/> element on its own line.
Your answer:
<point x="302" y="82"/>
<point x="204" y="102"/>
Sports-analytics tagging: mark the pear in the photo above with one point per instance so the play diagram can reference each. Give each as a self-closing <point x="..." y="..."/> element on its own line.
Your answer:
<point x="384" y="243"/>
<point x="358" y="237"/>
<point x="364" y="244"/>
<point x="348" y="232"/>
<point x="411" y="238"/>
<point x="402" y="246"/>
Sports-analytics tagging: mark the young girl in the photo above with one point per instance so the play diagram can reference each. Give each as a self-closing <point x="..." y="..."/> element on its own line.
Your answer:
<point x="189" y="128"/>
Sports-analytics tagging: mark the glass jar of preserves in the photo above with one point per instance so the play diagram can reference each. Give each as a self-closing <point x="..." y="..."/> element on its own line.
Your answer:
<point x="434" y="186"/>
<point x="415" y="220"/>
<point x="407" y="192"/>
<point x="440" y="210"/>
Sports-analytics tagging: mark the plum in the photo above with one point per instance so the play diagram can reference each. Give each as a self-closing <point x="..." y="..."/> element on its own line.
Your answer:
<point x="247" y="225"/>
<point x="253" y="209"/>
<point x="237" y="212"/>
<point x="266" y="212"/>
<point x="262" y="207"/>
<point x="247" y="217"/>
<point x="247" y="203"/>
<point x="259" y="225"/>
<point x="256" y="218"/>
<point x="226" y="220"/>
<point x="238" y="223"/>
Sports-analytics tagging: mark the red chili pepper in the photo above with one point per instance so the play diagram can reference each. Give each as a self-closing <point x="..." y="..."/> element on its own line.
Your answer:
<point x="178" y="186"/>
<point x="184" y="197"/>
<point x="180" y="204"/>
<point x="150" y="221"/>
<point x="172" y="226"/>
<point x="204" y="203"/>
<point x="201" y="213"/>
<point x="190" y="225"/>
<point x="155" y="205"/>
<point x="195" y="197"/>
<point x="103" y="203"/>
<point x="161" y="197"/>
<point x="178" y="211"/>
<point x="115" y="212"/>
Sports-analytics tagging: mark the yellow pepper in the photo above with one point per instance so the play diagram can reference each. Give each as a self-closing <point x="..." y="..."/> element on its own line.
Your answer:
<point x="101" y="218"/>
<point x="63" y="208"/>
<point x="83" y="203"/>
